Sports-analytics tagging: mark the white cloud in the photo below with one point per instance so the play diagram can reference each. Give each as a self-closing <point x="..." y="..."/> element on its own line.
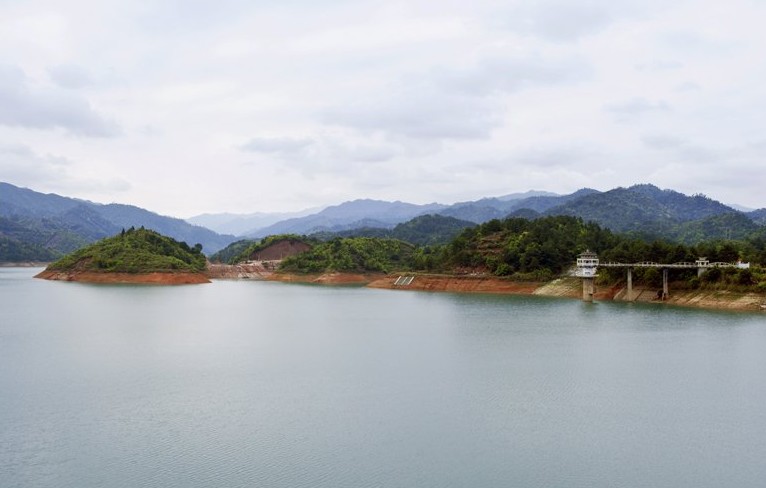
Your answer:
<point x="39" y="108"/>
<point x="662" y="141"/>
<point x="46" y="172"/>
<point x="418" y="114"/>
<point x="561" y="20"/>
<point x="316" y="103"/>
<point x="277" y="145"/>
<point x="70" y="76"/>
<point x="445" y="104"/>
<point x="636" y="107"/>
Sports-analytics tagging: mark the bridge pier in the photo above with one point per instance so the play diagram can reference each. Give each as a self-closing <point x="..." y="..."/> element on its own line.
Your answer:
<point x="588" y="289"/>
<point x="588" y="264"/>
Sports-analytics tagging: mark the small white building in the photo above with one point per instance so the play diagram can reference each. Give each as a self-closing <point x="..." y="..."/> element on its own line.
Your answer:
<point x="587" y="264"/>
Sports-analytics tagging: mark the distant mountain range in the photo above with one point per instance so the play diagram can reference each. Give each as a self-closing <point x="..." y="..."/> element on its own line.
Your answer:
<point x="366" y="213"/>
<point x="242" y="224"/>
<point x="350" y="215"/>
<point x="39" y="226"/>
<point x="645" y="210"/>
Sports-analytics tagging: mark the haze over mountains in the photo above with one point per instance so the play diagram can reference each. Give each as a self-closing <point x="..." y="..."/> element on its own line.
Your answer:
<point x="241" y="224"/>
<point x="37" y="226"/>
<point x="368" y="213"/>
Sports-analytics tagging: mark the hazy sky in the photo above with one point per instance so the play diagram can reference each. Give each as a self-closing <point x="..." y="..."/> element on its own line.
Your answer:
<point x="190" y="106"/>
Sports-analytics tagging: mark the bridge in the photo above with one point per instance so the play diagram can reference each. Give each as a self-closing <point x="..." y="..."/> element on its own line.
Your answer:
<point x="588" y="264"/>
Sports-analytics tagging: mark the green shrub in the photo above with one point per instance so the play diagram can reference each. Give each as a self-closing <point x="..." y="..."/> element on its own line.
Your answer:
<point x="694" y="283"/>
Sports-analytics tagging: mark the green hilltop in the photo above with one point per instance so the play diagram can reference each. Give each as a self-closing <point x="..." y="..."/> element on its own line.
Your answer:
<point x="352" y="254"/>
<point x="134" y="251"/>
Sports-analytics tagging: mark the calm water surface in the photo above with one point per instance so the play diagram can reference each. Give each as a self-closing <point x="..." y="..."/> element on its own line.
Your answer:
<point x="253" y="384"/>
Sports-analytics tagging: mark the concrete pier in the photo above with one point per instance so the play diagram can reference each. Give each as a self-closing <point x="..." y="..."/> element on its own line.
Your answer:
<point x="588" y="263"/>
<point x="588" y="288"/>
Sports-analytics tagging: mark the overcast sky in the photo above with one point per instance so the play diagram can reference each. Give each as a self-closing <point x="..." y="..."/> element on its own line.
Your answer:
<point x="187" y="106"/>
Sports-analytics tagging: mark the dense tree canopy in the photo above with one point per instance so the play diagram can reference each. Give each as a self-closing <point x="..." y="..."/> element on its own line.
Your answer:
<point x="538" y="249"/>
<point x="358" y="254"/>
<point x="134" y="251"/>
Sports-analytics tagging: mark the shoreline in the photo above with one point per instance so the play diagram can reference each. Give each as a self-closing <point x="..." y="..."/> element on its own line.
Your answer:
<point x="566" y="287"/>
<point x="154" y="278"/>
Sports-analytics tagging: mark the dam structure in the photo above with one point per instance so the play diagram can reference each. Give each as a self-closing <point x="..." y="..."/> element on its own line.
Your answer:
<point x="588" y="264"/>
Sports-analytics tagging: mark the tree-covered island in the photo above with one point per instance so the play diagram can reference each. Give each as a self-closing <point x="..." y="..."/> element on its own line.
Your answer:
<point x="132" y="256"/>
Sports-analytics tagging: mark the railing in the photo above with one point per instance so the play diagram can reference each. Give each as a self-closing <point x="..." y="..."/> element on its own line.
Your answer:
<point x="650" y="264"/>
<point x="404" y="280"/>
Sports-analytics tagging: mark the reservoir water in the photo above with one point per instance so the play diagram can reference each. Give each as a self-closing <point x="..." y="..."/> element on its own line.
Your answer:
<point x="260" y="384"/>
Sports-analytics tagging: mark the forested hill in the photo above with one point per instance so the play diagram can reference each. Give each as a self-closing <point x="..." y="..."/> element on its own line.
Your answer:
<point x="530" y="250"/>
<point x="546" y="247"/>
<point x="359" y="254"/>
<point x="649" y="210"/>
<point x="643" y="209"/>
<point x="134" y="251"/>
<point x="425" y="230"/>
<point x="39" y="227"/>
<point x="18" y="244"/>
<point x="526" y="249"/>
<point x="36" y="226"/>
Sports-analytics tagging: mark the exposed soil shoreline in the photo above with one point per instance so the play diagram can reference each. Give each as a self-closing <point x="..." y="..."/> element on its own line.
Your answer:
<point x="327" y="278"/>
<point x="180" y="278"/>
<point x="461" y="284"/>
<point x="563" y="287"/>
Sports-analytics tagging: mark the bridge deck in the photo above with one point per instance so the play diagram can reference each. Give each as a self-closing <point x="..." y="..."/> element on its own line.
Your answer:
<point x="647" y="264"/>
